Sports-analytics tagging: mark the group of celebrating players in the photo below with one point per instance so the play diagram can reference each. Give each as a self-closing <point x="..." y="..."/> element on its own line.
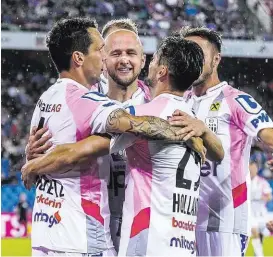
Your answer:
<point x="128" y="168"/>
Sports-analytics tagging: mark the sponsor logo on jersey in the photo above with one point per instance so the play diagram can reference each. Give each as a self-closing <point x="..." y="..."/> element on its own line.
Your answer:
<point x="51" y="220"/>
<point x="190" y="226"/>
<point x="212" y="123"/>
<point x="48" y="107"/>
<point x="262" y="118"/>
<point x="50" y="186"/>
<point x="117" y="180"/>
<point x="182" y="242"/>
<point x="46" y="201"/>
<point x="248" y="103"/>
<point x="209" y="167"/>
<point x="186" y="204"/>
<point x="215" y="106"/>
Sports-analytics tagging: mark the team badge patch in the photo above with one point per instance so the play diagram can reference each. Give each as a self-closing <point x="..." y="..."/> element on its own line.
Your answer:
<point x="215" y="106"/>
<point x="212" y="123"/>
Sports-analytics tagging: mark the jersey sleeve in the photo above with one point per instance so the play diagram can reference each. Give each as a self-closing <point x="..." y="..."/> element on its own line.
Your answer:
<point x="103" y="106"/>
<point x="249" y="116"/>
<point x="121" y="142"/>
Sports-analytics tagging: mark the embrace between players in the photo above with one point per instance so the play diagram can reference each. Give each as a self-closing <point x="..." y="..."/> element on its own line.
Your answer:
<point x="95" y="198"/>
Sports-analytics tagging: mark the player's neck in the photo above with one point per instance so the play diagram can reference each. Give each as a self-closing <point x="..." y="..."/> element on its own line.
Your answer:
<point x="70" y="75"/>
<point x="202" y="88"/>
<point x="120" y="93"/>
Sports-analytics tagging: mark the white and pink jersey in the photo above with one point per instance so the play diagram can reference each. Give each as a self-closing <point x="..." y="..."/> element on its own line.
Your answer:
<point x="160" y="208"/>
<point x="71" y="212"/>
<point x="236" y="118"/>
<point x="259" y="188"/>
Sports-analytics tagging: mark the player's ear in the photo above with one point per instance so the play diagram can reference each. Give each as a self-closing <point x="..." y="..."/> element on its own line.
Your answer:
<point x="216" y="60"/>
<point x="143" y="61"/>
<point x="78" y="58"/>
<point x="162" y="72"/>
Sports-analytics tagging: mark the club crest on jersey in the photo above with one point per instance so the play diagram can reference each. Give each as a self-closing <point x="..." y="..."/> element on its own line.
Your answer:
<point x="215" y="106"/>
<point x="212" y="123"/>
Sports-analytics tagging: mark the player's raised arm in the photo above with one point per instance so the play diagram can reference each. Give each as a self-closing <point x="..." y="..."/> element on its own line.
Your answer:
<point x="119" y="121"/>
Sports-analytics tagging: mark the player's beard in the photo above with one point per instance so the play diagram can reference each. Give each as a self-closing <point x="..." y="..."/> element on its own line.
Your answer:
<point x="123" y="82"/>
<point x="203" y="77"/>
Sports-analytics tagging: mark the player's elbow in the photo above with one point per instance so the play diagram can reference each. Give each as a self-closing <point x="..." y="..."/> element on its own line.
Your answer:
<point x="216" y="156"/>
<point x="266" y="135"/>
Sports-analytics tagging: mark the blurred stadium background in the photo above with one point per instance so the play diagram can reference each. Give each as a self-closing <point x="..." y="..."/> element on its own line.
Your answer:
<point x="247" y="29"/>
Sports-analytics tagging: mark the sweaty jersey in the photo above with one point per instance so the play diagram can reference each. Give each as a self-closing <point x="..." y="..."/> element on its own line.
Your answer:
<point x="259" y="187"/>
<point x="160" y="208"/>
<point x="71" y="212"/>
<point x="236" y="118"/>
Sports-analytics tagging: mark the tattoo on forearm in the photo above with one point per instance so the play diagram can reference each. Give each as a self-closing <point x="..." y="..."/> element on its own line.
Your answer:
<point x="152" y="127"/>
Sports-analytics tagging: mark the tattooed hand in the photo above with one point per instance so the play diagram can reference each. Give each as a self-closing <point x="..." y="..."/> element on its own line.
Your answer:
<point x="119" y="121"/>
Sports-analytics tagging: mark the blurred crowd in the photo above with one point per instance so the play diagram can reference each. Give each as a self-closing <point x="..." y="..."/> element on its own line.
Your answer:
<point x="154" y="17"/>
<point x="20" y="92"/>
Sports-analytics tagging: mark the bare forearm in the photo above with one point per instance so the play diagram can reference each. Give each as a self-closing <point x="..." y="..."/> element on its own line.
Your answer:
<point x="215" y="151"/>
<point x="65" y="157"/>
<point x="119" y="121"/>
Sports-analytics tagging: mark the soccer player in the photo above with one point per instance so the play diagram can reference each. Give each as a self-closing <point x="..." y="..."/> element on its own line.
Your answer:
<point x="261" y="193"/>
<point x="236" y="118"/>
<point x="123" y="50"/>
<point x="71" y="213"/>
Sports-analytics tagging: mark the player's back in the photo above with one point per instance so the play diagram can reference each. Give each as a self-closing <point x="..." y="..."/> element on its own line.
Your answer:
<point x="73" y="204"/>
<point x="159" y="212"/>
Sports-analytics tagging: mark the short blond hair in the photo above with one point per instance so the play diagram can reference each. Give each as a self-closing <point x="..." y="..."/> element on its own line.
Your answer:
<point x="124" y="23"/>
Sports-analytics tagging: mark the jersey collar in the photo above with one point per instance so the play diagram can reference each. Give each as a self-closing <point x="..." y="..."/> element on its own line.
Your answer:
<point x="71" y="81"/>
<point x="211" y="91"/>
<point x="171" y="96"/>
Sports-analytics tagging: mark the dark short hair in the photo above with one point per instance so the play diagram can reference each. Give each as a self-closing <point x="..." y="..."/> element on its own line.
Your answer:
<point x="212" y="36"/>
<point x="120" y="24"/>
<point x="67" y="36"/>
<point x="184" y="60"/>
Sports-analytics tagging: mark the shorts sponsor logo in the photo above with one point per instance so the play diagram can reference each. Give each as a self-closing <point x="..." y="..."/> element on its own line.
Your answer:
<point x="183" y="243"/>
<point x="190" y="226"/>
<point x="47" y="201"/>
<point x="186" y="204"/>
<point x="262" y="118"/>
<point x="43" y="217"/>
